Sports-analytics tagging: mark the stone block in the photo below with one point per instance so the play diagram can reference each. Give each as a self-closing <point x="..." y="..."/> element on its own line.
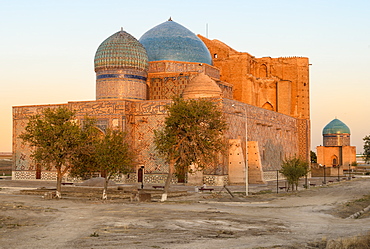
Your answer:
<point x="145" y="197"/>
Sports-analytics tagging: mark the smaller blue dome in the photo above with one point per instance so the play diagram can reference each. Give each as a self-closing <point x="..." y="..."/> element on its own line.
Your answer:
<point x="173" y="42"/>
<point x="121" y="50"/>
<point x="336" y="127"/>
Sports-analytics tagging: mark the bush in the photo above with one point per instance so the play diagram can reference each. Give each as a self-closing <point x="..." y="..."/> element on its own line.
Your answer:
<point x="293" y="169"/>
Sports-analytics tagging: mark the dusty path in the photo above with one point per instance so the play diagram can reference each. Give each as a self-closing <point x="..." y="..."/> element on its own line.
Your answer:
<point x="186" y="222"/>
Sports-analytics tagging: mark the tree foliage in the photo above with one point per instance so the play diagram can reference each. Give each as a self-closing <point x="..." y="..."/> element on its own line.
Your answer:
<point x="84" y="163"/>
<point x="192" y="135"/>
<point x="366" y="153"/>
<point x="107" y="153"/>
<point x="113" y="156"/>
<point x="293" y="169"/>
<point x="313" y="157"/>
<point x="54" y="138"/>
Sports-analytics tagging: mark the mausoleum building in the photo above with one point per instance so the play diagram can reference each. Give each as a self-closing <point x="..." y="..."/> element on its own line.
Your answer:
<point x="264" y="100"/>
<point x="336" y="151"/>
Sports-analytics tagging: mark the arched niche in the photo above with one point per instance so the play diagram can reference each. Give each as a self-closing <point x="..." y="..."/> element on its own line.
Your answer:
<point x="334" y="160"/>
<point x="268" y="106"/>
<point x="262" y="72"/>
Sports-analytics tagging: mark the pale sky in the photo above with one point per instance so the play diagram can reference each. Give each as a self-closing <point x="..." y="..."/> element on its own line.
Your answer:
<point x="47" y="48"/>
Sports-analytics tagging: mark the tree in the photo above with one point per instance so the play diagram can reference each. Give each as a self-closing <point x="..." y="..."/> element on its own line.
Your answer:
<point x="54" y="139"/>
<point x="293" y="169"/>
<point x="113" y="156"/>
<point x="313" y="157"/>
<point x="366" y="148"/>
<point x="107" y="153"/>
<point x="84" y="163"/>
<point x="192" y="135"/>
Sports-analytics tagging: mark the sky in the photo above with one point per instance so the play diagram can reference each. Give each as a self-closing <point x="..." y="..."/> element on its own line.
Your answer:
<point x="47" y="48"/>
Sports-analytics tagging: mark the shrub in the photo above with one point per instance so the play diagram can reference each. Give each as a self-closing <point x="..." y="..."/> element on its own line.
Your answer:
<point x="293" y="169"/>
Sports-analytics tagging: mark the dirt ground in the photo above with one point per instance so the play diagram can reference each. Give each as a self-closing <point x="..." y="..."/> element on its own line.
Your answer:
<point x="187" y="220"/>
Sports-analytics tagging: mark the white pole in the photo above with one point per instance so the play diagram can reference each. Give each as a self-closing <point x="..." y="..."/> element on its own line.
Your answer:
<point x="246" y="154"/>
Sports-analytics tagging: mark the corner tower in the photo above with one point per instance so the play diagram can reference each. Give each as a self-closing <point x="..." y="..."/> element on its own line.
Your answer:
<point x="121" y="66"/>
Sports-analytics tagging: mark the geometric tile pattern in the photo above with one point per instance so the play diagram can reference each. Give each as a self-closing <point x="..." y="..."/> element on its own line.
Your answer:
<point x="303" y="138"/>
<point x="277" y="134"/>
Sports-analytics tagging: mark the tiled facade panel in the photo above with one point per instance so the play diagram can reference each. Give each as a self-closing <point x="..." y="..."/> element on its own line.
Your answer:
<point x="166" y="86"/>
<point x="304" y="144"/>
<point x="22" y="152"/>
<point x="121" y="84"/>
<point x="146" y="117"/>
<point x="121" y="89"/>
<point x="276" y="133"/>
<point x="167" y="79"/>
<point x="163" y="67"/>
<point x="337" y="140"/>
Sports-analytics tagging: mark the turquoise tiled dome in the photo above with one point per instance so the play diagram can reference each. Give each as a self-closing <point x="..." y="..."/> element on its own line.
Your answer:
<point x="172" y="41"/>
<point x="121" y="50"/>
<point x="336" y="127"/>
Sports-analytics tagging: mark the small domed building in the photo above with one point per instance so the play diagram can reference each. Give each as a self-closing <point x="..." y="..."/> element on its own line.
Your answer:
<point x="336" y="150"/>
<point x="264" y="100"/>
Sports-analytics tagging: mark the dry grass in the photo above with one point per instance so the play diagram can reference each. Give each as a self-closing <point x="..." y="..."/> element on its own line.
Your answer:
<point x="347" y="209"/>
<point x="362" y="242"/>
<point x="355" y="242"/>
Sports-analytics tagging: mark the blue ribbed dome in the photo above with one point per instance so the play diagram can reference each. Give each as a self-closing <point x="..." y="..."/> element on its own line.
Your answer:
<point x="171" y="41"/>
<point x="121" y="50"/>
<point x="336" y="127"/>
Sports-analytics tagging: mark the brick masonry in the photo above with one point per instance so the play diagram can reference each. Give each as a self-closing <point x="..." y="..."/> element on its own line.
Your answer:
<point x="264" y="100"/>
<point x="277" y="134"/>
